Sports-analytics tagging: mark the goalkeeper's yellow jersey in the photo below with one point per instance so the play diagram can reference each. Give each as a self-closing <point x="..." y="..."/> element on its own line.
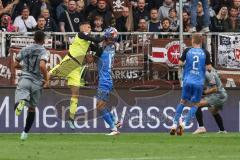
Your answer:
<point x="79" y="48"/>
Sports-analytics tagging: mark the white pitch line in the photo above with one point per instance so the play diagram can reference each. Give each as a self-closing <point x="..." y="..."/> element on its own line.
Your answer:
<point x="147" y="158"/>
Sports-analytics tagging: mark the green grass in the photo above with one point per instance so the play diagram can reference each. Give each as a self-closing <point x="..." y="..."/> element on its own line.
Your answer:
<point x="134" y="146"/>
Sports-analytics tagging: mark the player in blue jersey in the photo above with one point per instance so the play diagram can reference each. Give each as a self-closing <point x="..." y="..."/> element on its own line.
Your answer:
<point x="194" y="62"/>
<point x="105" y="82"/>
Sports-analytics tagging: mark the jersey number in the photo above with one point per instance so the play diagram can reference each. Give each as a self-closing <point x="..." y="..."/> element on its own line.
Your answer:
<point x="31" y="60"/>
<point x="195" y="62"/>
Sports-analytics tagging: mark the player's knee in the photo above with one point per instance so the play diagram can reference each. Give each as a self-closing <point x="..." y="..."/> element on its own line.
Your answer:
<point x="100" y="105"/>
<point x="75" y="92"/>
<point x="213" y="111"/>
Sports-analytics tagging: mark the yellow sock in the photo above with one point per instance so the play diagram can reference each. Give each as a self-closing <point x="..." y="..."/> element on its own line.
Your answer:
<point x="73" y="107"/>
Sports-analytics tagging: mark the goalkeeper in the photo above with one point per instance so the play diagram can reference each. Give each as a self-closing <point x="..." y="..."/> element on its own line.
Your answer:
<point x="72" y="65"/>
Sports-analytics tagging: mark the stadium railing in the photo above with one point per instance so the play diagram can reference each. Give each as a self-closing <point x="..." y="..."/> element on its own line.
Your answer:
<point x="142" y="48"/>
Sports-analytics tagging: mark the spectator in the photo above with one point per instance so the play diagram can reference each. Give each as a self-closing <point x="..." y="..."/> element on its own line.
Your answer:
<point x="215" y="5"/>
<point x="186" y="21"/>
<point x="164" y="9"/>
<point x="140" y="13"/>
<point x="154" y="24"/>
<point x="61" y="8"/>
<point x="154" y="4"/>
<point x="212" y="12"/>
<point x="236" y="3"/>
<point x="51" y="25"/>
<point x="80" y="7"/>
<point x="37" y="5"/>
<point x="6" y="24"/>
<point x="25" y="22"/>
<point x="195" y="6"/>
<point x="54" y="4"/>
<point x="122" y="22"/>
<point x="70" y="19"/>
<point x="41" y="22"/>
<point x="232" y="24"/>
<point x="98" y="23"/>
<point x="142" y="25"/>
<point x="102" y="10"/>
<point x="227" y="3"/>
<point x="9" y="7"/>
<point x="200" y="18"/>
<point x="91" y="7"/>
<point x="166" y="25"/>
<point x="174" y="20"/>
<point x="218" y="21"/>
<point x="18" y="8"/>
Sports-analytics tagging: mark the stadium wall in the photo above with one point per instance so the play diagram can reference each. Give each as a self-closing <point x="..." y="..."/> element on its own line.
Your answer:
<point x="152" y="112"/>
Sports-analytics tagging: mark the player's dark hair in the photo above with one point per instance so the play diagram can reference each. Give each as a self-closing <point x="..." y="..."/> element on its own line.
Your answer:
<point x="197" y="38"/>
<point x="39" y="37"/>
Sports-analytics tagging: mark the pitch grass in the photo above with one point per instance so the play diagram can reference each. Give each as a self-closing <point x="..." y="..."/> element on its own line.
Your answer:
<point x="134" y="146"/>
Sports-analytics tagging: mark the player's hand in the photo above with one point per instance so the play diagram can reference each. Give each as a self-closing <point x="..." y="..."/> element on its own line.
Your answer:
<point x="89" y="58"/>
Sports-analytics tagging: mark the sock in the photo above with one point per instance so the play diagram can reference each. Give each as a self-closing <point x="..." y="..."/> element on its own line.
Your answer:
<point x="107" y="116"/>
<point x="73" y="107"/>
<point x="190" y="115"/>
<point x="219" y="121"/>
<point x="113" y="117"/>
<point x="199" y="117"/>
<point x="29" y="121"/>
<point x="178" y="113"/>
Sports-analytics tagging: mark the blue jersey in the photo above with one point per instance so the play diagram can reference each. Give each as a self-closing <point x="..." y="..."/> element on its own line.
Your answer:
<point x="105" y="82"/>
<point x="194" y="69"/>
<point x="194" y="73"/>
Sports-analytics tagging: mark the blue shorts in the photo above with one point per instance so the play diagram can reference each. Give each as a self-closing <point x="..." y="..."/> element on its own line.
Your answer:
<point x="102" y="95"/>
<point x="192" y="92"/>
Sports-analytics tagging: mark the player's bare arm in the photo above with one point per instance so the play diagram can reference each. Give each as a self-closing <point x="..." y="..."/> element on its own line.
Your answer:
<point x="43" y="69"/>
<point x="17" y="64"/>
<point x="211" y="90"/>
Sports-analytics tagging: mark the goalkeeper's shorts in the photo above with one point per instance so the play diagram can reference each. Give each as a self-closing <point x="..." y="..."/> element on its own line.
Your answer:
<point x="70" y="70"/>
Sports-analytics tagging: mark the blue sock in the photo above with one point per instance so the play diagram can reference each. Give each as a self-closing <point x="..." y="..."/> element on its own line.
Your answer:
<point x="190" y="115"/>
<point x="107" y="116"/>
<point x="113" y="117"/>
<point x="178" y="113"/>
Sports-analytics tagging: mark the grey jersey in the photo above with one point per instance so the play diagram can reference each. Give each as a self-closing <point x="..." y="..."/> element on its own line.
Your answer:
<point x="30" y="58"/>
<point x="212" y="79"/>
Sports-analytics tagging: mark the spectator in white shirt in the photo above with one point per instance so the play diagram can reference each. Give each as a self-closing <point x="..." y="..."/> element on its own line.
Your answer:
<point x="25" y="22"/>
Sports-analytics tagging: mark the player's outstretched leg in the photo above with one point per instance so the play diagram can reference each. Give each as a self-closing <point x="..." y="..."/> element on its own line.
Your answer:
<point x="29" y="122"/>
<point x="176" y="118"/>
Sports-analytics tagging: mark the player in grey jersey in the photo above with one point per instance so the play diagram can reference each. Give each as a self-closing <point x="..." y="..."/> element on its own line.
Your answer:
<point x="214" y="97"/>
<point x="32" y="60"/>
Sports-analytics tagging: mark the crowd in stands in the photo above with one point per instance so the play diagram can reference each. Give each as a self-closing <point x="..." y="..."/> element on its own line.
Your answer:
<point x="135" y="15"/>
